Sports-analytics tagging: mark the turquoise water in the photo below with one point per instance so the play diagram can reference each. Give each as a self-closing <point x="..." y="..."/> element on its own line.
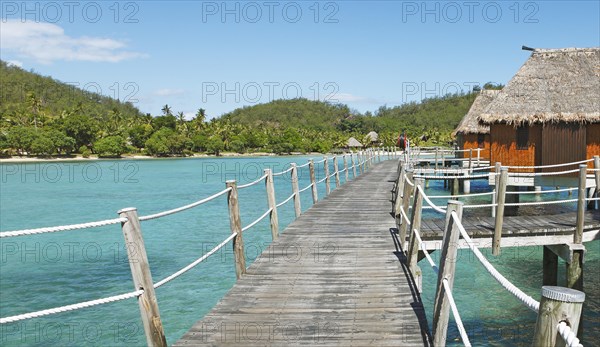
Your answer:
<point x="44" y="271"/>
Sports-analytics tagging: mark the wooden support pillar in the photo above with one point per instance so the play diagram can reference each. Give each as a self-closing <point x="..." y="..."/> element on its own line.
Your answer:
<point x="467" y="183"/>
<point x="353" y="165"/>
<point x="558" y="304"/>
<point x="436" y="159"/>
<point x="345" y="169"/>
<point x="470" y="159"/>
<point x="597" y="177"/>
<point x="398" y="190"/>
<point x="407" y="193"/>
<point x="413" y="244"/>
<point x="501" y="185"/>
<point x="327" y="180"/>
<point x="235" y="223"/>
<point x="455" y="186"/>
<point x="296" y="190"/>
<point x="142" y="278"/>
<point x="448" y="258"/>
<point x="336" y="172"/>
<point x="270" y="188"/>
<point x="313" y="181"/>
<point x="550" y="267"/>
<point x="575" y="268"/>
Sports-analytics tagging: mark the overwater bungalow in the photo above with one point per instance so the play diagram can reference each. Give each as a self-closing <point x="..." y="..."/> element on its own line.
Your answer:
<point x="470" y="133"/>
<point x="549" y="112"/>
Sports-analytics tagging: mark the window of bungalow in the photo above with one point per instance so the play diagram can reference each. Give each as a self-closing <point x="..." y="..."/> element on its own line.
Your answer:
<point x="523" y="137"/>
<point x="481" y="140"/>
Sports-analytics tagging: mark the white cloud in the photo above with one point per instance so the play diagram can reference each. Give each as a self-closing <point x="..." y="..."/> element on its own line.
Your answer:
<point x="46" y="43"/>
<point x="16" y="63"/>
<point x="169" y="92"/>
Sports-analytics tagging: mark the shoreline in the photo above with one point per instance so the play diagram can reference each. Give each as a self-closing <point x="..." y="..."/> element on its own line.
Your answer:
<point x="145" y="157"/>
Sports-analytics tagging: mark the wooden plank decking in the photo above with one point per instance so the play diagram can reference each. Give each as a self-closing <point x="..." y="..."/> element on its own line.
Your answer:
<point x="334" y="277"/>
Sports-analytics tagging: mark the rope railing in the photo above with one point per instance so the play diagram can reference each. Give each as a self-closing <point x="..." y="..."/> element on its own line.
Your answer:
<point x="548" y="166"/>
<point x="62" y="228"/>
<point x="568" y="335"/>
<point x="258" y="180"/>
<point x="306" y="188"/>
<point x="257" y="220"/>
<point x="183" y="208"/>
<point x="285" y="201"/>
<point x="282" y="172"/>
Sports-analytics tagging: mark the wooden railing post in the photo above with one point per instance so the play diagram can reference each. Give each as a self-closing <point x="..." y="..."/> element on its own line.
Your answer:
<point x="296" y="190"/>
<point x="558" y="304"/>
<point x="270" y="188"/>
<point x="501" y="191"/>
<point x="495" y="189"/>
<point x="413" y="244"/>
<point x="448" y="257"/>
<point x="327" y="180"/>
<point x="479" y="155"/>
<point x="597" y="175"/>
<point x="364" y="162"/>
<point x="436" y="158"/>
<point x="398" y="191"/>
<point x="336" y="171"/>
<point x="313" y="181"/>
<point x="346" y="175"/>
<point x="575" y="267"/>
<point x="142" y="278"/>
<point x="353" y="165"/>
<point x="408" y="190"/>
<point x="235" y="223"/>
<point x="379" y="154"/>
<point x="470" y="158"/>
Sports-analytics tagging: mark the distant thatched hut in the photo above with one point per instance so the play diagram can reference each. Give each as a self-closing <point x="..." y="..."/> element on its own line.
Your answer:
<point x="470" y="133"/>
<point x="372" y="138"/>
<point x="549" y="112"/>
<point x="353" y="143"/>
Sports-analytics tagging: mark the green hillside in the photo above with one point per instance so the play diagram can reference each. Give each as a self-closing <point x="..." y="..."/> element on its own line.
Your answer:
<point x="40" y="116"/>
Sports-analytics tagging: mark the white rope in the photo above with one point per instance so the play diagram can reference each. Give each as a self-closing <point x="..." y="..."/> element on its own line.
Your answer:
<point x="540" y="202"/>
<point x="257" y="220"/>
<point x="320" y="161"/>
<point x="459" y="324"/>
<point x="186" y="207"/>
<point x="303" y="165"/>
<point x="62" y="228"/>
<point x="545" y="191"/>
<point x="195" y="262"/>
<point x="252" y="183"/>
<point x="592" y="199"/>
<point x="322" y="180"/>
<point x="554" y="165"/>
<point x="568" y="335"/>
<point x="282" y="172"/>
<point x="403" y="214"/>
<point x="533" y="174"/>
<point x="428" y="201"/>
<point x="407" y="180"/>
<point x="285" y="201"/>
<point x="72" y="307"/>
<point x="424" y="249"/>
<point x="482" y="168"/>
<point x="481" y="205"/>
<point x="531" y="303"/>
<point x="433" y="177"/>
<point x="459" y="196"/>
<point x="305" y="188"/>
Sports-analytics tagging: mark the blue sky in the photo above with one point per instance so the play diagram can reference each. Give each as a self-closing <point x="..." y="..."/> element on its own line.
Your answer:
<point x="223" y="55"/>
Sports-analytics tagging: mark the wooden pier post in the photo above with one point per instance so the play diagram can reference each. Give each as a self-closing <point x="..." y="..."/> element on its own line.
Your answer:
<point x="413" y="243"/>
<point x="313" y="181"/>
<point x="142" y="278"/>
<point x="327" y="179"/>
<point x="436" y="158"/>
<point x="448" y="258"/>
<point x="470" y="159"/>
<point x="353" y="165"/>
<point x="345" y="168"/>
<point x="397" y="193"/>
<point x="478" y="155"/>
<point x="597" y="178"/>
<point x="501" y="185"/>
<point x="575" y="267"/>
<point x="270" y="188"/>
<point x="408" y="190"/>
<point x="336" y="171"/>
<point x="558" y="304"/>
<point x="296" y="190"/>
<point x="550" y="267"/>
<point x="235" y="223"/>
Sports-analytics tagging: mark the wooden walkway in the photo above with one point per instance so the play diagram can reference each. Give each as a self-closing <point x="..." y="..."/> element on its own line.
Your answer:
<point x="334" y="277"/>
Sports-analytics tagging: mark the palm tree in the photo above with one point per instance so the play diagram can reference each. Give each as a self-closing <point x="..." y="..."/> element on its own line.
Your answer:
<point x="166" y="110"/>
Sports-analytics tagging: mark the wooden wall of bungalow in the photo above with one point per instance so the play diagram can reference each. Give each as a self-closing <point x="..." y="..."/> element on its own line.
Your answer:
<point x="546" y="144"/>
<point x="474" y="142"/>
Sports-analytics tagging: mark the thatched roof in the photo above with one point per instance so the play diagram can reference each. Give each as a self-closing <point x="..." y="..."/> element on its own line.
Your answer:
<point x="352" y="142"/>
<point x="470" y="124"/>
<point x="372" y="136"/>
<point x="554" y="85"/>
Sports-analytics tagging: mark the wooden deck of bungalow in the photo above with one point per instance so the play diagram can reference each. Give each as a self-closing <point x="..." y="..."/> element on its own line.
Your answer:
<point x="335" y="277"/>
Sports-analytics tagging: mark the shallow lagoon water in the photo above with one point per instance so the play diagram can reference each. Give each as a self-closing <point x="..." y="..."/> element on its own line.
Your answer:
<point x="44" y="271"/>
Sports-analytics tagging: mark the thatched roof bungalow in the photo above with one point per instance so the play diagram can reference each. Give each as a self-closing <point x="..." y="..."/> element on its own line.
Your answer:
<point x="353" y="143"/>
<point x="470" y="133"/>
<point x="372" y="138"/>
<point x="549" y="112"/>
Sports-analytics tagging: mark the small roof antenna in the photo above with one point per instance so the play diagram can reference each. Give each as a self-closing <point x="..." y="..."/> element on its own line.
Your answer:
<point x="525" y="48"/>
